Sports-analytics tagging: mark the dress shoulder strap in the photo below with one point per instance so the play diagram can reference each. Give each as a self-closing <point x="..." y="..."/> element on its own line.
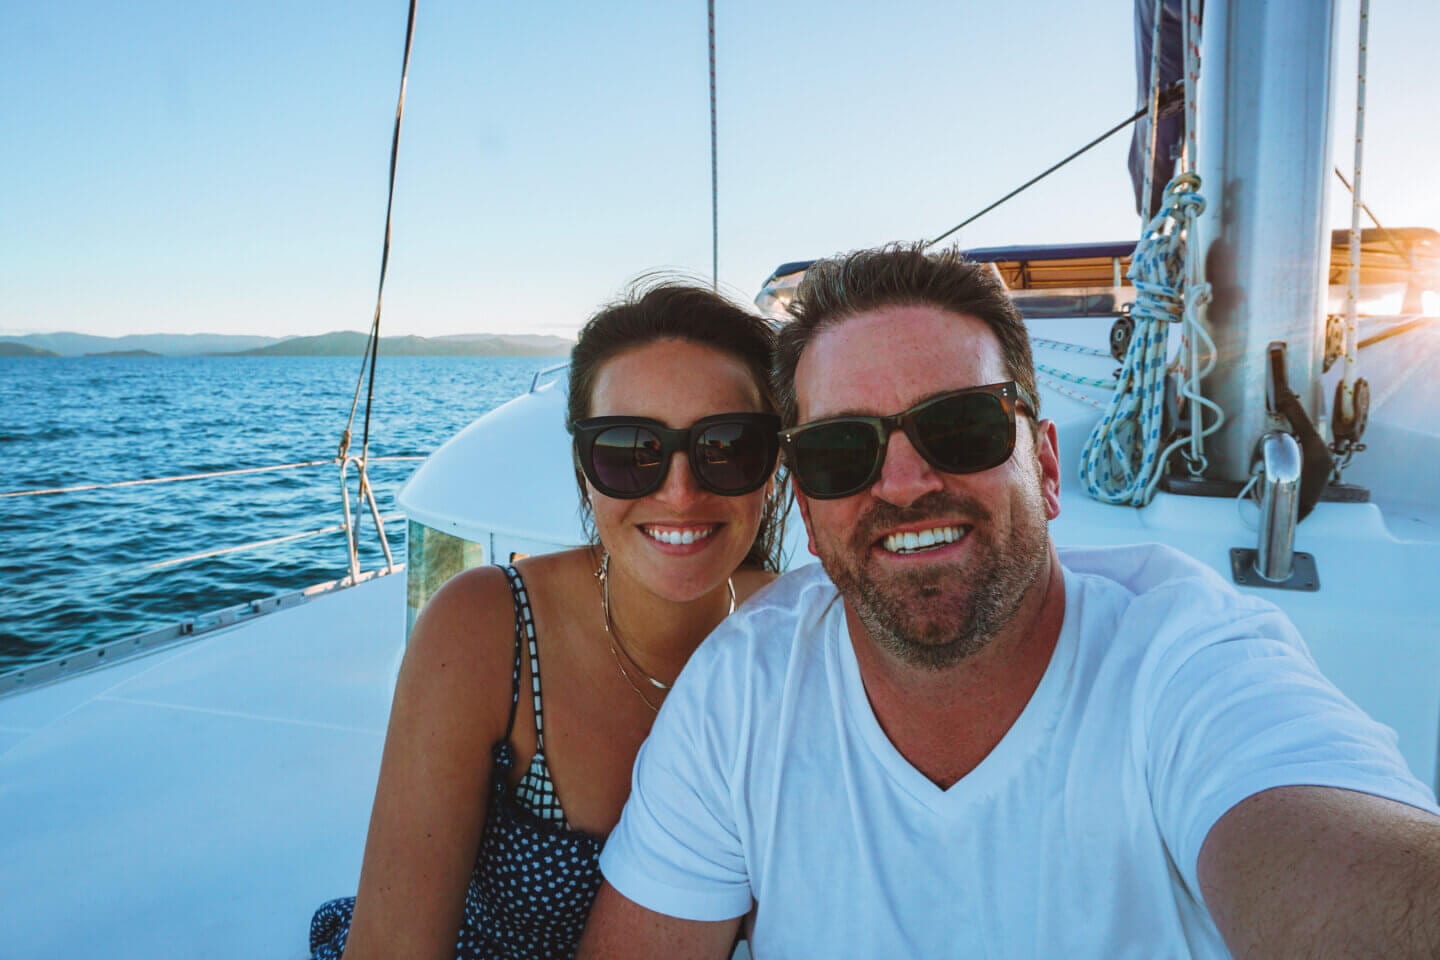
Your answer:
<point x="524" y="631"/>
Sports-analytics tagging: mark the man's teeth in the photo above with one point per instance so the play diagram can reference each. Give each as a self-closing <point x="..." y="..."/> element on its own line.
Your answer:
<point x="678" y="536"/>
<point x="916" y="540"/>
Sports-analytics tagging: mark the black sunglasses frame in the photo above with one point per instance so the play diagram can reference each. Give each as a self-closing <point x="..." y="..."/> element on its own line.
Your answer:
<point x="686" y="440"/>
<point x="1009" y="394"/>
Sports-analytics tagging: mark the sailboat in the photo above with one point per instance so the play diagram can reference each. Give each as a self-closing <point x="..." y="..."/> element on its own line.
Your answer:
<point x="202" y="798"/>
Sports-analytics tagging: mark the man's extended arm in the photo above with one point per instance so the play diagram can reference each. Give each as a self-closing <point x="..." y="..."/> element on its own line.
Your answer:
<point x="622" y="928"/>
<point x="1324" y="872"/>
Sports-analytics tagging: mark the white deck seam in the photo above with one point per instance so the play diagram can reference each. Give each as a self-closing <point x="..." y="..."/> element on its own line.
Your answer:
<point x="241" y="715"/>
<point x="162" y="655"/>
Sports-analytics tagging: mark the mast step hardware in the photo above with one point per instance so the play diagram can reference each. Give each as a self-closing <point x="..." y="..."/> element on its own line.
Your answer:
<point x="1318" y="464"/>
<point x="1334" y="340"/>
<point x="1349" y="429"/>
<point x="1303" y="574"/>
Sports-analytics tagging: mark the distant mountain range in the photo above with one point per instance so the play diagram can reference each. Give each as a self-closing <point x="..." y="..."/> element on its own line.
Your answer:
<point x="9" y="348"/>
<point x="344" y="343"/>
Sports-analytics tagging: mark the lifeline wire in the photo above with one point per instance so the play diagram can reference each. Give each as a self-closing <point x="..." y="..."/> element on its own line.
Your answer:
<point x="190" y="476"/>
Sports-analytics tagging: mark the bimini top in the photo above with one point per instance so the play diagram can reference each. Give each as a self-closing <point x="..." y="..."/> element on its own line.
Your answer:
<point x="1085" y="268"/>
<point x="1094" y="275"/>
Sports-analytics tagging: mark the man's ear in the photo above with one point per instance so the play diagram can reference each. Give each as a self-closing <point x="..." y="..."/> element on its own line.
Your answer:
<point x="805" y="515"/>
<point x="1047" y="455"/>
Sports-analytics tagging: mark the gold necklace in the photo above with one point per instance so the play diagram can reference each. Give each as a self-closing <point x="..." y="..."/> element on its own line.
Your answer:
<point x="633" y="685"/>
<point x="612" y="634"/>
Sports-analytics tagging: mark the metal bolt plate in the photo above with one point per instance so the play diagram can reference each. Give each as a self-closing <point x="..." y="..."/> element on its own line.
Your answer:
<point x="1303" y="573"/>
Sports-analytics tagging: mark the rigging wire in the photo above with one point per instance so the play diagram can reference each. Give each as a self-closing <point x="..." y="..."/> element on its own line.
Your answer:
<point x="373" y="348"/>
<point x="1346" y="412"/>
<point x="372" y="345"/>
<point x="714" y="167"/>
<point x="1167" y="96"/>
<point x="1198" y="293"/>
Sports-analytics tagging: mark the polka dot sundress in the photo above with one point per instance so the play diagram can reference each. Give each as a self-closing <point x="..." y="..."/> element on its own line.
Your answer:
<point x="534" y="877"/>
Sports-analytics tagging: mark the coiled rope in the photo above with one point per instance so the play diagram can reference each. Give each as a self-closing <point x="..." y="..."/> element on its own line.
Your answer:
<point x="1122" y="462"/>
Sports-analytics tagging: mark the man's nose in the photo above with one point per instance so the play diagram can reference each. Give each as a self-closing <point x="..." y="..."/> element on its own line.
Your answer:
<point x="905" y="476"/>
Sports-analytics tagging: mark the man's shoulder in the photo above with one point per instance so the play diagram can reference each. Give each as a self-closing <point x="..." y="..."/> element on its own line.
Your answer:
<point x="1156" y="578"/>
<point x="1142" y="567"/>
<point x="1164" y="605"/>
<point x="788" y="612"/>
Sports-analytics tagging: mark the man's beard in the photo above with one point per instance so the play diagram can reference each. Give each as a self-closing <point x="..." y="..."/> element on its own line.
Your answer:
<point x="938" y="615"/>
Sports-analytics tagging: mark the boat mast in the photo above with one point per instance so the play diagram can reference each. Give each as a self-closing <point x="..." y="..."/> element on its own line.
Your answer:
<point x="1264" y="119"/>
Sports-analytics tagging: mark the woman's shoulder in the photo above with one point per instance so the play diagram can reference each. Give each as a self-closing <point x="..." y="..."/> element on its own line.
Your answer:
<point x="467" y="603"/>
<point x="464" y="636"/>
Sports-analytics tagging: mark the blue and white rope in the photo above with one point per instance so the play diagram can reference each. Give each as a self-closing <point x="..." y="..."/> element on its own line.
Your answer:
<point x="1075" y="377"/>
<point x="1065" y="391"/>
<point x="1122" y="462"/>
<point x="1068" y="347"/>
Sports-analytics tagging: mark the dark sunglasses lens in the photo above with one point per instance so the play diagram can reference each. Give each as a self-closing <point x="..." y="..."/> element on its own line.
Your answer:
<point x="835" y="459"/>
<point x="965" y="434"/>
<point x="628" y="461"/>
<point x="733" y="457"/>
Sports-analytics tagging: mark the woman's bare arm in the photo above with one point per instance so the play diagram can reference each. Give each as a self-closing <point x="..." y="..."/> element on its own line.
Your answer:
<point x="451" y="703"/>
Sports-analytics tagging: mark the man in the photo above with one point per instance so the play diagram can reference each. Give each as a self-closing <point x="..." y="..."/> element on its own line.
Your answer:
<point x="974" y="745"/>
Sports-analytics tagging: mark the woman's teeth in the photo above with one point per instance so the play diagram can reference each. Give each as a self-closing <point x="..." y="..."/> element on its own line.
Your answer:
<point x="917" y="540"/>
<point x="688" y="535"/>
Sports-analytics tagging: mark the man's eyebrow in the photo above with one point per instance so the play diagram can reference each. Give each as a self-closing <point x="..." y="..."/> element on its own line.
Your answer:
<point x="847" y="412"/>
<point x="851" y="412"/>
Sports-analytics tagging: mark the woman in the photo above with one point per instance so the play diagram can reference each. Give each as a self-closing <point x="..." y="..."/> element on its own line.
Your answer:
<point x="535" y="782"/>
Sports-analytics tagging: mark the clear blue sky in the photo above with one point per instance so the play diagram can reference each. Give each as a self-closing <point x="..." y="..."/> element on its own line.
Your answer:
<point x="186" y="167"/>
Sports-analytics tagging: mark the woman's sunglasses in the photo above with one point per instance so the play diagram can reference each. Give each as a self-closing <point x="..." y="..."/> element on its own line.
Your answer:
<point x="964" y="431"/>
<point x="628" y="457"/>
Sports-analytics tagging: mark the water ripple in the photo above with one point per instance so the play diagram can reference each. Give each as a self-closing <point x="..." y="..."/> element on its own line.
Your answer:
<point x="72" y="575"/>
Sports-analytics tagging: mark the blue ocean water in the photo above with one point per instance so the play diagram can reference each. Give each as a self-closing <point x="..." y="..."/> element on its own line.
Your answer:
<point x="70" y="564"/>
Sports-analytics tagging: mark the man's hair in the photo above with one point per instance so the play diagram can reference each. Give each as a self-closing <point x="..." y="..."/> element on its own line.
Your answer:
<point x="664" y="307"/>
<point x="898" y="274"/>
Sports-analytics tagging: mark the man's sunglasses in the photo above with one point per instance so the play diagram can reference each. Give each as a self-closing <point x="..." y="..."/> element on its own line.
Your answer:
<point x="628" y="457"/>
<point x="964" y="431"/>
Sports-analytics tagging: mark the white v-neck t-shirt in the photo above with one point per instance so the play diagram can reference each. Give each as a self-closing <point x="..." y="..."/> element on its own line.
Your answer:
<point x="1168" y="699"/>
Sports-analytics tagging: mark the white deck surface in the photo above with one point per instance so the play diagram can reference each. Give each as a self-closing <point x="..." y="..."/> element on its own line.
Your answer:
<point x="203" y="800"/>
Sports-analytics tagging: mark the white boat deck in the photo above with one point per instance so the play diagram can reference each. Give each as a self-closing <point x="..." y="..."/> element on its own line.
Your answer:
<point x="200" y="801"/>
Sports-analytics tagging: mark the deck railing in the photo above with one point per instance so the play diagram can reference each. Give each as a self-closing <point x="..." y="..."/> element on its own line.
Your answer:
<point x="30" y="675"/>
